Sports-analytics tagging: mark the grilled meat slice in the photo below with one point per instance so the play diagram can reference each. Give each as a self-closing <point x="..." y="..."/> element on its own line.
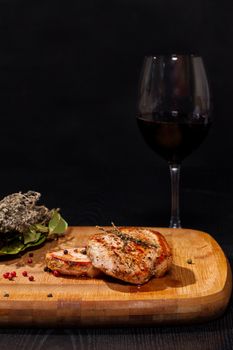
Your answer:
<point x="73" y="261"/>
<point x="130" y="254"/>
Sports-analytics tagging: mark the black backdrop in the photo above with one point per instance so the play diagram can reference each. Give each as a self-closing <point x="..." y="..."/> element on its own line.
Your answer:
<point x="68" y="78"/>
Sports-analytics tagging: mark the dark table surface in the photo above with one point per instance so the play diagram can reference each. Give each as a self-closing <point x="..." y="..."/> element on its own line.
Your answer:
<point x="90" y="198"/>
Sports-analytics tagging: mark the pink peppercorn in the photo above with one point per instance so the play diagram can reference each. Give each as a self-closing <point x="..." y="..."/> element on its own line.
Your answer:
<point x="6" y="275"/>
<point x="56" y="273"/>
<point x="10" y="277"/>
<point x="31" y="278"/>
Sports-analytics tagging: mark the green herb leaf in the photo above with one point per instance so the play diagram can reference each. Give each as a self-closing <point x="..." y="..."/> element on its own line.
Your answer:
<point x="57" y="225"/>
<point x="31" y="236"/>
<point x="13" y="248"/>
<point x="33" y="244"/>
<point x="54" y="221"/>
<point x="37" y="234"/>
<point x="41" y="228"/>
<point x="61" y="227"/>
<point x="17" y="246"/>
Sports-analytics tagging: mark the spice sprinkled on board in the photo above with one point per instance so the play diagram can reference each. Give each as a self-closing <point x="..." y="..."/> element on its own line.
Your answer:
<point x="189" y="261"/>
<point x="9" y="275"/>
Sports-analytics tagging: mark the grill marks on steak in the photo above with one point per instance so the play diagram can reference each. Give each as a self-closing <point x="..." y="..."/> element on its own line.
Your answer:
<point x="130" y="254"/>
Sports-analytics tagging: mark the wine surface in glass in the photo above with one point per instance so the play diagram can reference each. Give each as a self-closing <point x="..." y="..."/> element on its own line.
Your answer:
<point x="173" y="140"/>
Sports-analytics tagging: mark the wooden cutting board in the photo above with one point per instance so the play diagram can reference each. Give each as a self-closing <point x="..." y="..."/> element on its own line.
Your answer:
<point x="188" y="293"/>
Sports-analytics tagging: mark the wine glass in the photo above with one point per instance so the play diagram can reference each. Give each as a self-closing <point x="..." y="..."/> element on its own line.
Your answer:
<point x="174" y="112"/>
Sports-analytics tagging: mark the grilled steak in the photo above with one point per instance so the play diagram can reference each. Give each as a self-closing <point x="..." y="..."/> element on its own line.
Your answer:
<point x="130" y="254"/>
<point x="71" y="262"/>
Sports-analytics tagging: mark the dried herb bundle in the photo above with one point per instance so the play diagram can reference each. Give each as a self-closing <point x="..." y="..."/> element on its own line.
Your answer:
<point x="19" y="211"/>
<point x="25" y="224"/>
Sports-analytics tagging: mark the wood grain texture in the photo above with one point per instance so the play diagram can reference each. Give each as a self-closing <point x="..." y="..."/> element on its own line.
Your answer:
<point x="188" y="293"/>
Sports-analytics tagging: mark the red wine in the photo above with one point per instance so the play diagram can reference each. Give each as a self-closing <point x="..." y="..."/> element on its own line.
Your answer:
<point x="172" y="140"/>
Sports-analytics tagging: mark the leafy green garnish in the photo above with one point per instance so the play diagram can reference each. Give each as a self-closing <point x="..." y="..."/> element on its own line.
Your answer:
<point x="17" y="246"/>
<point x="40" y="240"/>
<point x="37" y="234"/>
<point x="57" y="225"/>
<point x="14" y="248"/>
<point x="41" y="228"/>
<point x="31" y="236"/>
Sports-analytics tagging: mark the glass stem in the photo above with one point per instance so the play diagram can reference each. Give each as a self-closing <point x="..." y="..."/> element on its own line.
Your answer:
<point x="175" y="189"/>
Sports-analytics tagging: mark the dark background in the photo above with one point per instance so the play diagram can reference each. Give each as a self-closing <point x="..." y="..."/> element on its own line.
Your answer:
<point x="68" y="88"/>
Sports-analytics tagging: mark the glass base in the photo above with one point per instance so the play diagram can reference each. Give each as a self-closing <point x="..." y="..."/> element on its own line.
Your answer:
<point x="175" y="223"/>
